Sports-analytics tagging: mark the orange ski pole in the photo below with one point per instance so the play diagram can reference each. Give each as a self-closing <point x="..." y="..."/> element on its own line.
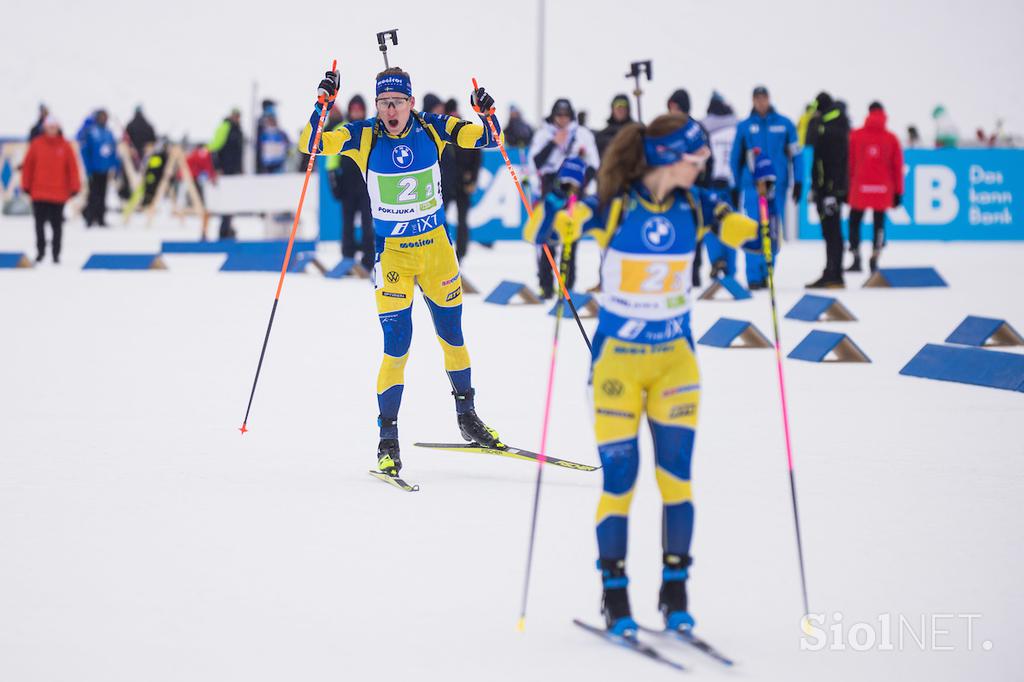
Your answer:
<point x="291" y="243"/>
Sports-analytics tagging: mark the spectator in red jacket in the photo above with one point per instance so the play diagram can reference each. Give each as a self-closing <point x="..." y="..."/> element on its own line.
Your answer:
<point x="200" y="164"/>
<point x="876" y="180"/>
<point x="50" y="176"/>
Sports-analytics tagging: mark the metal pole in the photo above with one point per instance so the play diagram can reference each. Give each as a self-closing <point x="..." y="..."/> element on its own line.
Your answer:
<point x="540" y="61"/>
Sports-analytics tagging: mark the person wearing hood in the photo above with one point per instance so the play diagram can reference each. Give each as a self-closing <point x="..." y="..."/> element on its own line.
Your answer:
<point x="140" y="133"/>
<point x="561" y="137"/>
<point x="37" y="129"/>
<point x="720" y="127"/>
<point x="49" y="175"/>
<point x="876" y="180"/>
<point x="829" y="135"/>
<point x="518" y="133"/>
<point x="620" y="117"/>
<point x="769" y="133"/>
<point x="350" y="189"/>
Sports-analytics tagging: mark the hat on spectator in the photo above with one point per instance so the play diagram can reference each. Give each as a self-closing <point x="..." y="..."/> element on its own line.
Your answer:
<point x="682" y="99"/>
<point x="562" y="106"/>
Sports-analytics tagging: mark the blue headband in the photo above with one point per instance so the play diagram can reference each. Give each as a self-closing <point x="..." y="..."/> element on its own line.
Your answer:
<point x="394" y="82"/>
<point x="668" y="149"/>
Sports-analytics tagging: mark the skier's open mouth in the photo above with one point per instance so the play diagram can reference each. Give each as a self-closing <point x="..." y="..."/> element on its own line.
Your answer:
<point x="392" y="123"/>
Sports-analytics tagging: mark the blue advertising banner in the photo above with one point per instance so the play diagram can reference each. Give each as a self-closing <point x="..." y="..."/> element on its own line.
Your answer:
<point x="496" y="211"/>
<point x="950" y="194"/>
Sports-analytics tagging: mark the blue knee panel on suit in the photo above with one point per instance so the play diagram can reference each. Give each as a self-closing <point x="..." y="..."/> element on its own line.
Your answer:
<point x="397" y="328"/>
<point x="447" y="322"/>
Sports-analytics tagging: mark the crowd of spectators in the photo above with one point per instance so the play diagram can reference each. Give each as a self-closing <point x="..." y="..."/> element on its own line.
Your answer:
<point x="862" y="168"/>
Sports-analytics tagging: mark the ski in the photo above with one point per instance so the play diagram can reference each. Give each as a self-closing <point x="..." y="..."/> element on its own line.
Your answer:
<point x="686" y="636"/>
<point x="632" y="644"/>
<point x="514" y="453"/>
<point x="395" y="481"/>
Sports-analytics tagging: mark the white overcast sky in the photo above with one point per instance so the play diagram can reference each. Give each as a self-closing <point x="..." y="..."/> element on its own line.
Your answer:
<point x="189" y="61"/>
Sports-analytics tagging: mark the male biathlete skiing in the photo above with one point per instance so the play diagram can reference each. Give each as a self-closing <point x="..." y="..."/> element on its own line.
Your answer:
<point x="648" y="218"/>
<point x="398" y="152"/>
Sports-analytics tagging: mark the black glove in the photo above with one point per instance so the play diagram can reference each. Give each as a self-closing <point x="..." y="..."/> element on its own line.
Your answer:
<point x="482" y="102"/>
<point x="798" y="189"/>
<point x="897" y="199"/>
<point x="329" y="85"/>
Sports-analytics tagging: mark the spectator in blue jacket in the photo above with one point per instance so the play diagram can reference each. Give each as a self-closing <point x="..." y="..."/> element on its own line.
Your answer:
<point x="99" y="156"/>
<point x="771" y="134"/>
<point x="273" y="146"/>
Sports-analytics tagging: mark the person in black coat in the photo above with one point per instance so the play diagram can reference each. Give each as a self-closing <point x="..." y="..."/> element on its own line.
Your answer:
<point x="829" y="134"/>
<point x="350" y="190"/>
<point x="226" y="147"/>
<point x="619" y="117"/>
<point x="517" y="131"/>
<point x="140" y="133"/>
<point x="466" y="164"/>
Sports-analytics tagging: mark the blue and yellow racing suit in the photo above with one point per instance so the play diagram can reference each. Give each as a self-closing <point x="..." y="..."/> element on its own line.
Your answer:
<point x="643" y="353"/>
<point x="403" y="179"/>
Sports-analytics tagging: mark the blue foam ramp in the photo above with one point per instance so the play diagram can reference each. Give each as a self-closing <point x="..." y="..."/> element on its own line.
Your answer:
<point x="271" y="246"/>
<point x="728" y="284"/>
<point x="229" y="245"/>
<point x="822" y="346"/>
<point x="976" y="366"/>
<point x="813" y="308"/>
<point x="507" y="290"/>
<point x="729" y="333"/>
<point x="124" y="261"/>
<point x="219" y="246"/>
<point x="985" y="331"/>
<point x="906" y="277"/>
<point x="14" y="260"/>
<point x="268" y="261"/>
<point x="585" y="304"/>
<point x="300" y="259"/>
<point x="347" y="267"/>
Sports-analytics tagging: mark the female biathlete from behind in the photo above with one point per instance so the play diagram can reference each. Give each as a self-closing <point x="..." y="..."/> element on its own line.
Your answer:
<point x="648" y="218"/>
<point x="398" y="152"/>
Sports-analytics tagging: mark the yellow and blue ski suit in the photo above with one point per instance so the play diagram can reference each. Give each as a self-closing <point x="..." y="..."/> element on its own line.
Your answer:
<point x="403" y="178"/>
<point x="643" y="352"/>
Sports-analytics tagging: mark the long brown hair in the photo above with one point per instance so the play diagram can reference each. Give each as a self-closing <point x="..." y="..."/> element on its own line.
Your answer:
<point x="624" y="161"/>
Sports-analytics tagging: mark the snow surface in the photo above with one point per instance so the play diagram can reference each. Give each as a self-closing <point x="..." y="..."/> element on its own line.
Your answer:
<point x="144" y="538"/>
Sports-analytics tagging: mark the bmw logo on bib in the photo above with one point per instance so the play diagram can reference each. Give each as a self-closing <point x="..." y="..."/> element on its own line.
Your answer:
<point x="659" y="233"/>
<point x="402" y="156"/>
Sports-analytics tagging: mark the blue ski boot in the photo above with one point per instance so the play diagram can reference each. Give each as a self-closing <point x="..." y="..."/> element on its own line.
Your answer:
<point x="615" y="600"/>
<point x="672" y="598"/>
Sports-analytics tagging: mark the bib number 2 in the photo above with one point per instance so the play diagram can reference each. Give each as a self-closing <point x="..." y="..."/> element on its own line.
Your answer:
<point x="408" y="185"/>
